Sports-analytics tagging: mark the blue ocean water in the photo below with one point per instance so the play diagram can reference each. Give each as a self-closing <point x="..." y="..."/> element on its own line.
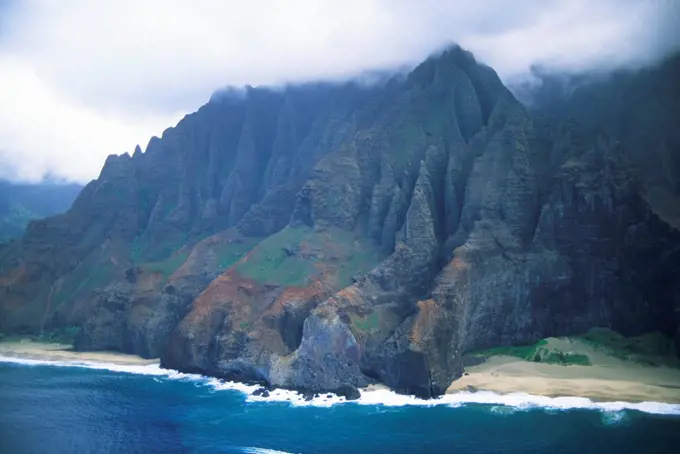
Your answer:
<point x="58" y="409"/>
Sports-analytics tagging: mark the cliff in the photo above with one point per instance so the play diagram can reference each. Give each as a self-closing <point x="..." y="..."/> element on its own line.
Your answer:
<point x="328" y="235"/>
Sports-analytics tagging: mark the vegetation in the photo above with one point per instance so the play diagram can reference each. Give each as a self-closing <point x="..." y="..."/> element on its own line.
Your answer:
<point x="291" y="257"/>
<point x="143" y="251"/>
<point x="651" y="348"/>
<point x="518" y="351"/>
<point x="538" y="352"/>
<point x="90" y="274"/>
<point x="63" y="335"/>
<point x="554" y="356"/>
<point x="168" y="266"/>
<point x="367" y="323"/>
<point x="229" y="253"/>
<point x="272" y="260"/>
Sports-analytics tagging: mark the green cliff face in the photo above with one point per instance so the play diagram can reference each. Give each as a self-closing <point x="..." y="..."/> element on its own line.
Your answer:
<point x="327" y="235"/>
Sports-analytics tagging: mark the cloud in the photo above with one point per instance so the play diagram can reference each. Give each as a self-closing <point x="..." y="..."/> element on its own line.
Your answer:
<point x="85" y="79"/>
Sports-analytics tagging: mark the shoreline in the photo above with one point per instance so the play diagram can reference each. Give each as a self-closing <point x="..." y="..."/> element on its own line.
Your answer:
<point x="497" y="375"/>
<point x="607" y="378"/>
<point x="500" y="379"/>
<point x="49" y="351"/>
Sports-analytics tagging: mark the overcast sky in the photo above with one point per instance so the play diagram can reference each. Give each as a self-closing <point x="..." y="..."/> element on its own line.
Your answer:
<point x="81" y="79"/>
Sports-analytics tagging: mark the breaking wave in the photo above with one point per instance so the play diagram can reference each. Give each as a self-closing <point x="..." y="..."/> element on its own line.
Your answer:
<point x="254" y="450"/>
<point x="380" y="397"/>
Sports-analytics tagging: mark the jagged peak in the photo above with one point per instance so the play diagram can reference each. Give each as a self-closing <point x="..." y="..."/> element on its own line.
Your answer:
<point x="113" y="163"/>
<point x="153" y="145"/>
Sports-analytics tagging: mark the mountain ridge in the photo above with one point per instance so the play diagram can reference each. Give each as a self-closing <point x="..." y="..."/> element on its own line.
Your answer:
<point x="332" y="235"/>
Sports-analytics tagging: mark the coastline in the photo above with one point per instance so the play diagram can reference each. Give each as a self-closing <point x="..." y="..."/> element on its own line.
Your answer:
<point x="505" y="375"/>
<point x="608" y="378"/>
<point x="49" y="351"/>
<point x="500" y="379"/>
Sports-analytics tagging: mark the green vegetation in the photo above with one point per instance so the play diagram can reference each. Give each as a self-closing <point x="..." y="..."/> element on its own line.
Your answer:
<point x="144" y="251"/>
<point x="168" y="266"/>
<point x="64" y="335"/>
<point x="270" y="262"/>
<point x="538" y="352"/>
<point x="519" y="351"/>
<point x="652" y="348"/>
<point x="289" y="257"/>
<point x="554" y="356"/>
<point x="367" y="323"/>
<point x="172" y="255"/>
<point x="229" y="253"/>
<point x="89" y="274"/>
<point x="407" y="138"/>
<point x="361" y="261"/>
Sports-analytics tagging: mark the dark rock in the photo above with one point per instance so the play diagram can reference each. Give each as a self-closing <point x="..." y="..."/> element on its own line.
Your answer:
<point x="131" y="275"/>
<point x="262" y="392"/>
<point x="349" y="392"/>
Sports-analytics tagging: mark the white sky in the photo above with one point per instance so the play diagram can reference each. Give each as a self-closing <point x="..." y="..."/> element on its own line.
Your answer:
<point x="81" y="79"/>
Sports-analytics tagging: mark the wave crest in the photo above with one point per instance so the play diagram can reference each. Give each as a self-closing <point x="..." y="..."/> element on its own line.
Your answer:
<point x="381" y="397"/>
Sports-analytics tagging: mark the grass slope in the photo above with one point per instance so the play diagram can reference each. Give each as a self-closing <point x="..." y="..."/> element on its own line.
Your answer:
<point x="652" y="349"/>
<point x="295" y="256"/>
<point x="540" y="352"/>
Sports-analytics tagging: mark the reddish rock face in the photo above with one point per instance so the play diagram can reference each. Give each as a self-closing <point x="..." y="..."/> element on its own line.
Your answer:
<point x="326" y="236"/>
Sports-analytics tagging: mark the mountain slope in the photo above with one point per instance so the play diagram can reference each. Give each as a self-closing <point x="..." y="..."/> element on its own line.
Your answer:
<point x="329" y="235"/>
<point x="20" y="203"/>
<point x="640" y="108"/>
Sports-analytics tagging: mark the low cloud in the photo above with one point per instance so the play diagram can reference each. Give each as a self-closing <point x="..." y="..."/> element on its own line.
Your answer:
<point x="85" y="79"/>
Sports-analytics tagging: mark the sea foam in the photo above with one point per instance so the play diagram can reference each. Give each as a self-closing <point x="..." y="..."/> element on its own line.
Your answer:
<point x="379" y="397"/>
<point x="254" y="450"/>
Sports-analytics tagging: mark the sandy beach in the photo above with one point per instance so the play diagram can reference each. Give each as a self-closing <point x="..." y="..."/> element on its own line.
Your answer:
<point x="607" y="379"/>
<point x="28" y="349"/>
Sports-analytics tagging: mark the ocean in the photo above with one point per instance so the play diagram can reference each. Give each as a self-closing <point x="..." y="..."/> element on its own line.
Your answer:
<point x="106" y="408"/>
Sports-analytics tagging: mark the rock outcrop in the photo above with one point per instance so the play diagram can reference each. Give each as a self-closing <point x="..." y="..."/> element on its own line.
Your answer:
<point x="323" y="237"/>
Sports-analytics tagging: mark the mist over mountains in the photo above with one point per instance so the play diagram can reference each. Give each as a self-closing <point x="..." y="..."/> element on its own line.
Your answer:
<point x="88" y="79"/>
<point x="20" y="203"/>
<point x="326" y="236"/>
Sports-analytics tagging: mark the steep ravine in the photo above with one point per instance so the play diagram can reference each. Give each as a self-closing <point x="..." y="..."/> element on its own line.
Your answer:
<point x="329" y="235"/>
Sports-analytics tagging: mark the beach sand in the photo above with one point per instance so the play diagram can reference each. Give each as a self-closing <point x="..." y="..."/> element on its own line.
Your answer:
<point x="607" y="379"/>
<point x="28" y="349"/>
